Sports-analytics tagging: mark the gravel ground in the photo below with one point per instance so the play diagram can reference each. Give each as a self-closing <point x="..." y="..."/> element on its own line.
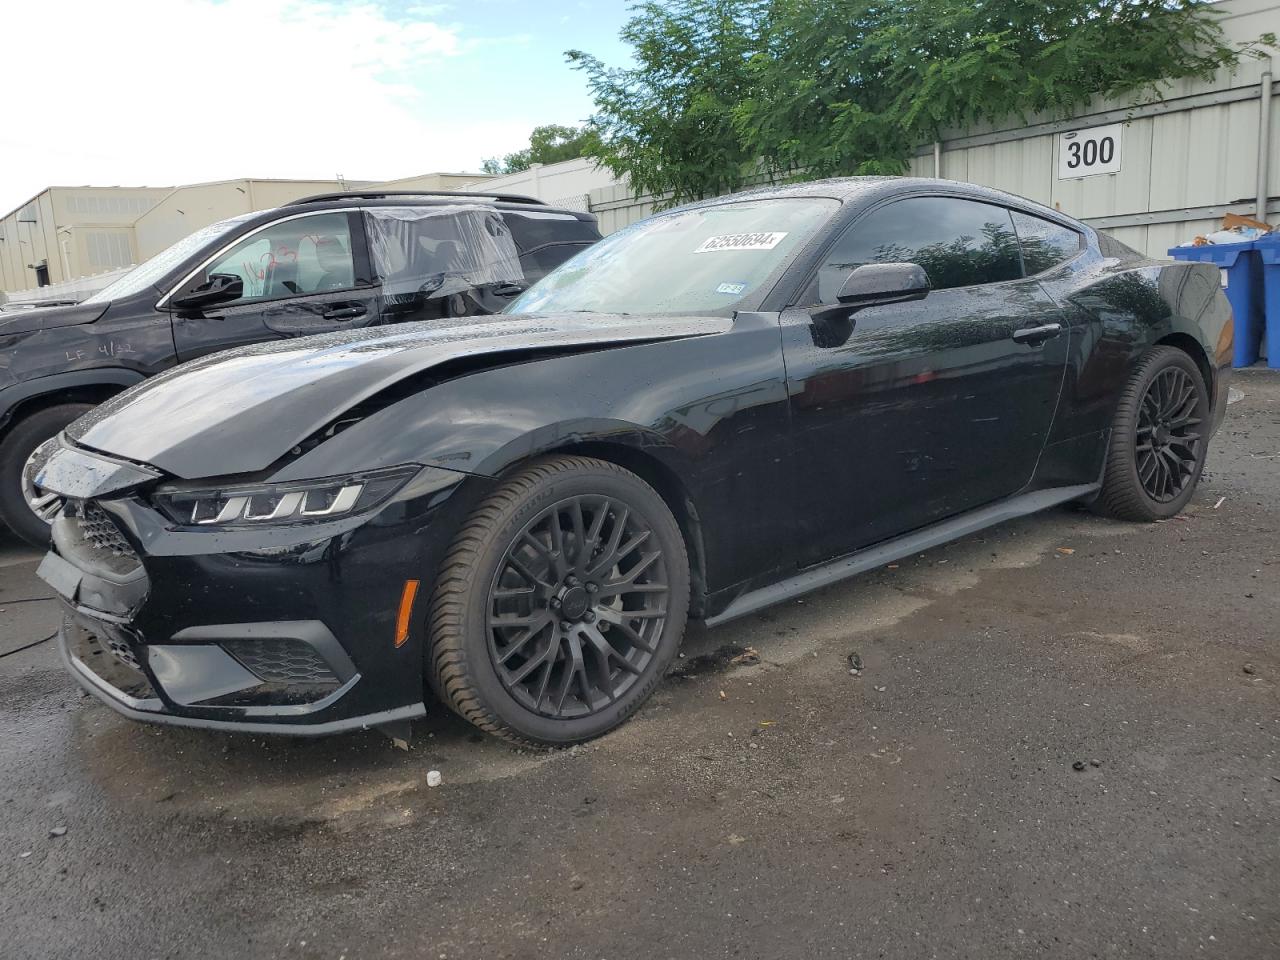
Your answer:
<point x="1064" y="741"/>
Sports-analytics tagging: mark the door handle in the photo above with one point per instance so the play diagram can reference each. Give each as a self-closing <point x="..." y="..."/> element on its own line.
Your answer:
<point x="344" y="313"/>
<point x="1035" y="335"/>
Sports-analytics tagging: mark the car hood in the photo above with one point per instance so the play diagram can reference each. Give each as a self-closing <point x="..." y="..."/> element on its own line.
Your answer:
<point x="24" y="320"/>
<point x="241" y="411"/>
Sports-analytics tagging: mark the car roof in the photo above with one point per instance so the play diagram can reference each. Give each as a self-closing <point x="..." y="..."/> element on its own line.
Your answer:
<point x="508" y="203"/>
<point x="868" y="189"/>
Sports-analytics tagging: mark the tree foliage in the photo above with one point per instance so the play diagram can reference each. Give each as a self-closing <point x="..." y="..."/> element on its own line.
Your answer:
<point x="551" y="143"/>
<point x="723" y="90"/>
<point x="668" y="122"/>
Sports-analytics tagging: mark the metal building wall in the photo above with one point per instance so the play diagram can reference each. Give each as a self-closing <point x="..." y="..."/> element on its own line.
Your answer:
<point x="1188" y="157"/>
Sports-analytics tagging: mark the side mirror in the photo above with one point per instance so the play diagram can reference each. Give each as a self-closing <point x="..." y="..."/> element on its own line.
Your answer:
<point x="870" y="285"/>
<point x="877" y="283"/>
<point x="221" y="288"/>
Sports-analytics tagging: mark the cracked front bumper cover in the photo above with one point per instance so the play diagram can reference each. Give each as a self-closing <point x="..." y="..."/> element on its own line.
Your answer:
<point x="272" y="630"/>
<point x="131" y="691"/>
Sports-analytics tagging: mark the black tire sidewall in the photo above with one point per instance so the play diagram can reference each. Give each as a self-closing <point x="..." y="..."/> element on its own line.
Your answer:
<point x="1170" y="357"/>
<point x="638" y="496"/>
<point x="17" y="446"/>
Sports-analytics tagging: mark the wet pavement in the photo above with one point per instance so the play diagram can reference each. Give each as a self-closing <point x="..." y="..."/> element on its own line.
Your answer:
<point x="1064" y="741"/>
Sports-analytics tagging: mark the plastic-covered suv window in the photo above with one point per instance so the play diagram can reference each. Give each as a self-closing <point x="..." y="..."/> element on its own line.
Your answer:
<point x="440" y="251"/>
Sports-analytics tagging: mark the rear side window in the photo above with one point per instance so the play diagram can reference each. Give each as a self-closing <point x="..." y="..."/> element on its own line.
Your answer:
<point x="538" y="263"/>
<point x="537" y="228"/>
<point x="960" y="243"/>
<point x="546" y="239"/>
<point x="1113" y="249"/>
<point x="1044" y="244"/>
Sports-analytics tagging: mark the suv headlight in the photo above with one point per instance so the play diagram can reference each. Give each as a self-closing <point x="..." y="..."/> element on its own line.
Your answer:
<point x="303" y="501"/>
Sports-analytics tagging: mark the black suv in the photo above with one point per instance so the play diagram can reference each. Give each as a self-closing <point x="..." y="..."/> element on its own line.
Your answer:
<point x="318" y="265"/>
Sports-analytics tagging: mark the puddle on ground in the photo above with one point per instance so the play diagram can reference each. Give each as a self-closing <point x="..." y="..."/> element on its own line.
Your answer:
<point x="346" y="778"/>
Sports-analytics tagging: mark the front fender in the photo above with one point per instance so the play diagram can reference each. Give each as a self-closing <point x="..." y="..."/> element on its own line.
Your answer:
<point x="680" y="399"/>
<point x="712" y="409"/>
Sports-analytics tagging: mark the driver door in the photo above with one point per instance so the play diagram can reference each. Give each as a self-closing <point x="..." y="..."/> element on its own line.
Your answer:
<point x="918" y="411"/>
<point x="299" y="276"/>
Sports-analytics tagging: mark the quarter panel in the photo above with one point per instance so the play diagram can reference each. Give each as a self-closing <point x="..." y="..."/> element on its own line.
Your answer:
<point x="1117" y="311"/>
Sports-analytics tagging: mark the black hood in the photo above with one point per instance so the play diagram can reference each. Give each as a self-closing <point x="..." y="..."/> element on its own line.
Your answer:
<point x="241" y="411"/>
<point x="45" y="318"/>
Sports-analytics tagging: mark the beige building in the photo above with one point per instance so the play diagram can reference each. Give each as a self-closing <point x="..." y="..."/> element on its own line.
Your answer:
<point x="66" y="233"/>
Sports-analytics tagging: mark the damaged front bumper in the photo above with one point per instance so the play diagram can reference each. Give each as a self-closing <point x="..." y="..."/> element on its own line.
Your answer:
<point x="116" y="677"/>
<point x="267" y="630"/>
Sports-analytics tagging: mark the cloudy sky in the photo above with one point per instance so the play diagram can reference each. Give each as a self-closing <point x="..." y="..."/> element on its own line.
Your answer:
<point x="161" y="92"/>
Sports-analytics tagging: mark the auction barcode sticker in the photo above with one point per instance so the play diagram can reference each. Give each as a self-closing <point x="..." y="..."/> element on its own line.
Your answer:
<point x="741" y="241"/>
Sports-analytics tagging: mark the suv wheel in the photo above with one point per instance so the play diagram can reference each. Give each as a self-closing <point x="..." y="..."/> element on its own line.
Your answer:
<point x="1158" y="440"/>
<point x="24" y="507"/>
<point x="560" y="604"/>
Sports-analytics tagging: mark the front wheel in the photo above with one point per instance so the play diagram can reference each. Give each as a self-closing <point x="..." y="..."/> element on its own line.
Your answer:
<point x="1159" y="439"/>
<point x="24" y="506"/>
<point x="560" y="603"/>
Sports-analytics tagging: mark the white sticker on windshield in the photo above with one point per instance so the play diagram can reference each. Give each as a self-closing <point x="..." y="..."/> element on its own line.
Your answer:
<point x="731" y="288"/>
<point x="741" y="241"/>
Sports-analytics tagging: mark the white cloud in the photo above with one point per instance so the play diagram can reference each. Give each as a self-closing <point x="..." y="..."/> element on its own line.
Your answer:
<point x="174" y="91"/>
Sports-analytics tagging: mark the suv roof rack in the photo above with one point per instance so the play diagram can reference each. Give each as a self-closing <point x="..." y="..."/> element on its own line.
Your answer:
<point x="381" y="194"/>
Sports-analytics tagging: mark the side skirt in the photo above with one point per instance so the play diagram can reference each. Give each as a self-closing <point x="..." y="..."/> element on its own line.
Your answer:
<point x="815" y="578"/>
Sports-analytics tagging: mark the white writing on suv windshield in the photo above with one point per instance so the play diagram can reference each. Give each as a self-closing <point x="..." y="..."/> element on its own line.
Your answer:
<point x="741" y="241"/>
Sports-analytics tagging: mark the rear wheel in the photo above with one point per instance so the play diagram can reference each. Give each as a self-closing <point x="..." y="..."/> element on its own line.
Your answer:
<point x="24" y="506"/>
<point x="560" y="604"/>
<point x="1158" y="439"/>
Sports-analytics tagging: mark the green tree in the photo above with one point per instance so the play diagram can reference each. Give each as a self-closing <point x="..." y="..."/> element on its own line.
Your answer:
<point x="551" y="143"/>
<point x="723" y="89"/>
<point x="667" y="123"/>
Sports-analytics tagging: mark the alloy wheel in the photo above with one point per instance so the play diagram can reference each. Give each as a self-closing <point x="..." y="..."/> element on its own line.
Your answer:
<point x="1168" y="442"/>
<point x="577" y="607"/>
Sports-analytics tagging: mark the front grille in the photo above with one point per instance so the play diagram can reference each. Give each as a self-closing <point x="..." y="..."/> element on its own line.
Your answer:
<point x="92" y="540"/>
<point x="101" y="532"/>
<point x="282" y="660"/>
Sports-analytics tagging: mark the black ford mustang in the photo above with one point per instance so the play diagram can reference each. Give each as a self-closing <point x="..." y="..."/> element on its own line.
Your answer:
<point x="716" y="409"/>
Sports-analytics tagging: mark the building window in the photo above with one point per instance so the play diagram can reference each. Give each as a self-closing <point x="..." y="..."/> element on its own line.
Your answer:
<point x="107" y="250"/>
<point x="128" y="207"/>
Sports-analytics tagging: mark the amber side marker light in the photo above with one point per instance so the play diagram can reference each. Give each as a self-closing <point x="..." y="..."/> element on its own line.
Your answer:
<point x="407" y="597"/>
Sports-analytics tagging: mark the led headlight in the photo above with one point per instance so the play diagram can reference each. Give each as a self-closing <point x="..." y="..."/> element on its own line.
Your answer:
<point x="274" y="503"/>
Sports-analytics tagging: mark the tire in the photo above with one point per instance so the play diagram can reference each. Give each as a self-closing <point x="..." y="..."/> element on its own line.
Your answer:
<point x="1152" y="471"/>
<point x="18" y="445"/>
<point x="503" y="566"/>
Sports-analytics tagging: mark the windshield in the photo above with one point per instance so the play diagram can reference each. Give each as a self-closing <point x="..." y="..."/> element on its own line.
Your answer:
<point x="150" y="273"/>
<point x="705" y="260"/>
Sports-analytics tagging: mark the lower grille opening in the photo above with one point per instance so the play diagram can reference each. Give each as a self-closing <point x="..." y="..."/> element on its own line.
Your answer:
<point x="109" y="656"/>
<point x="282" y="660"/>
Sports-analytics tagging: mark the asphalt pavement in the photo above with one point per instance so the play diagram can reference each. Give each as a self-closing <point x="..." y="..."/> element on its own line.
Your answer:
<point x="1063" y="741"/>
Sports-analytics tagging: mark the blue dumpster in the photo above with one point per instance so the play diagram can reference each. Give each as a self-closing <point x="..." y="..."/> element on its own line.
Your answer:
<point x="1268" y="248"/>
<point x="1242" y="278"/>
